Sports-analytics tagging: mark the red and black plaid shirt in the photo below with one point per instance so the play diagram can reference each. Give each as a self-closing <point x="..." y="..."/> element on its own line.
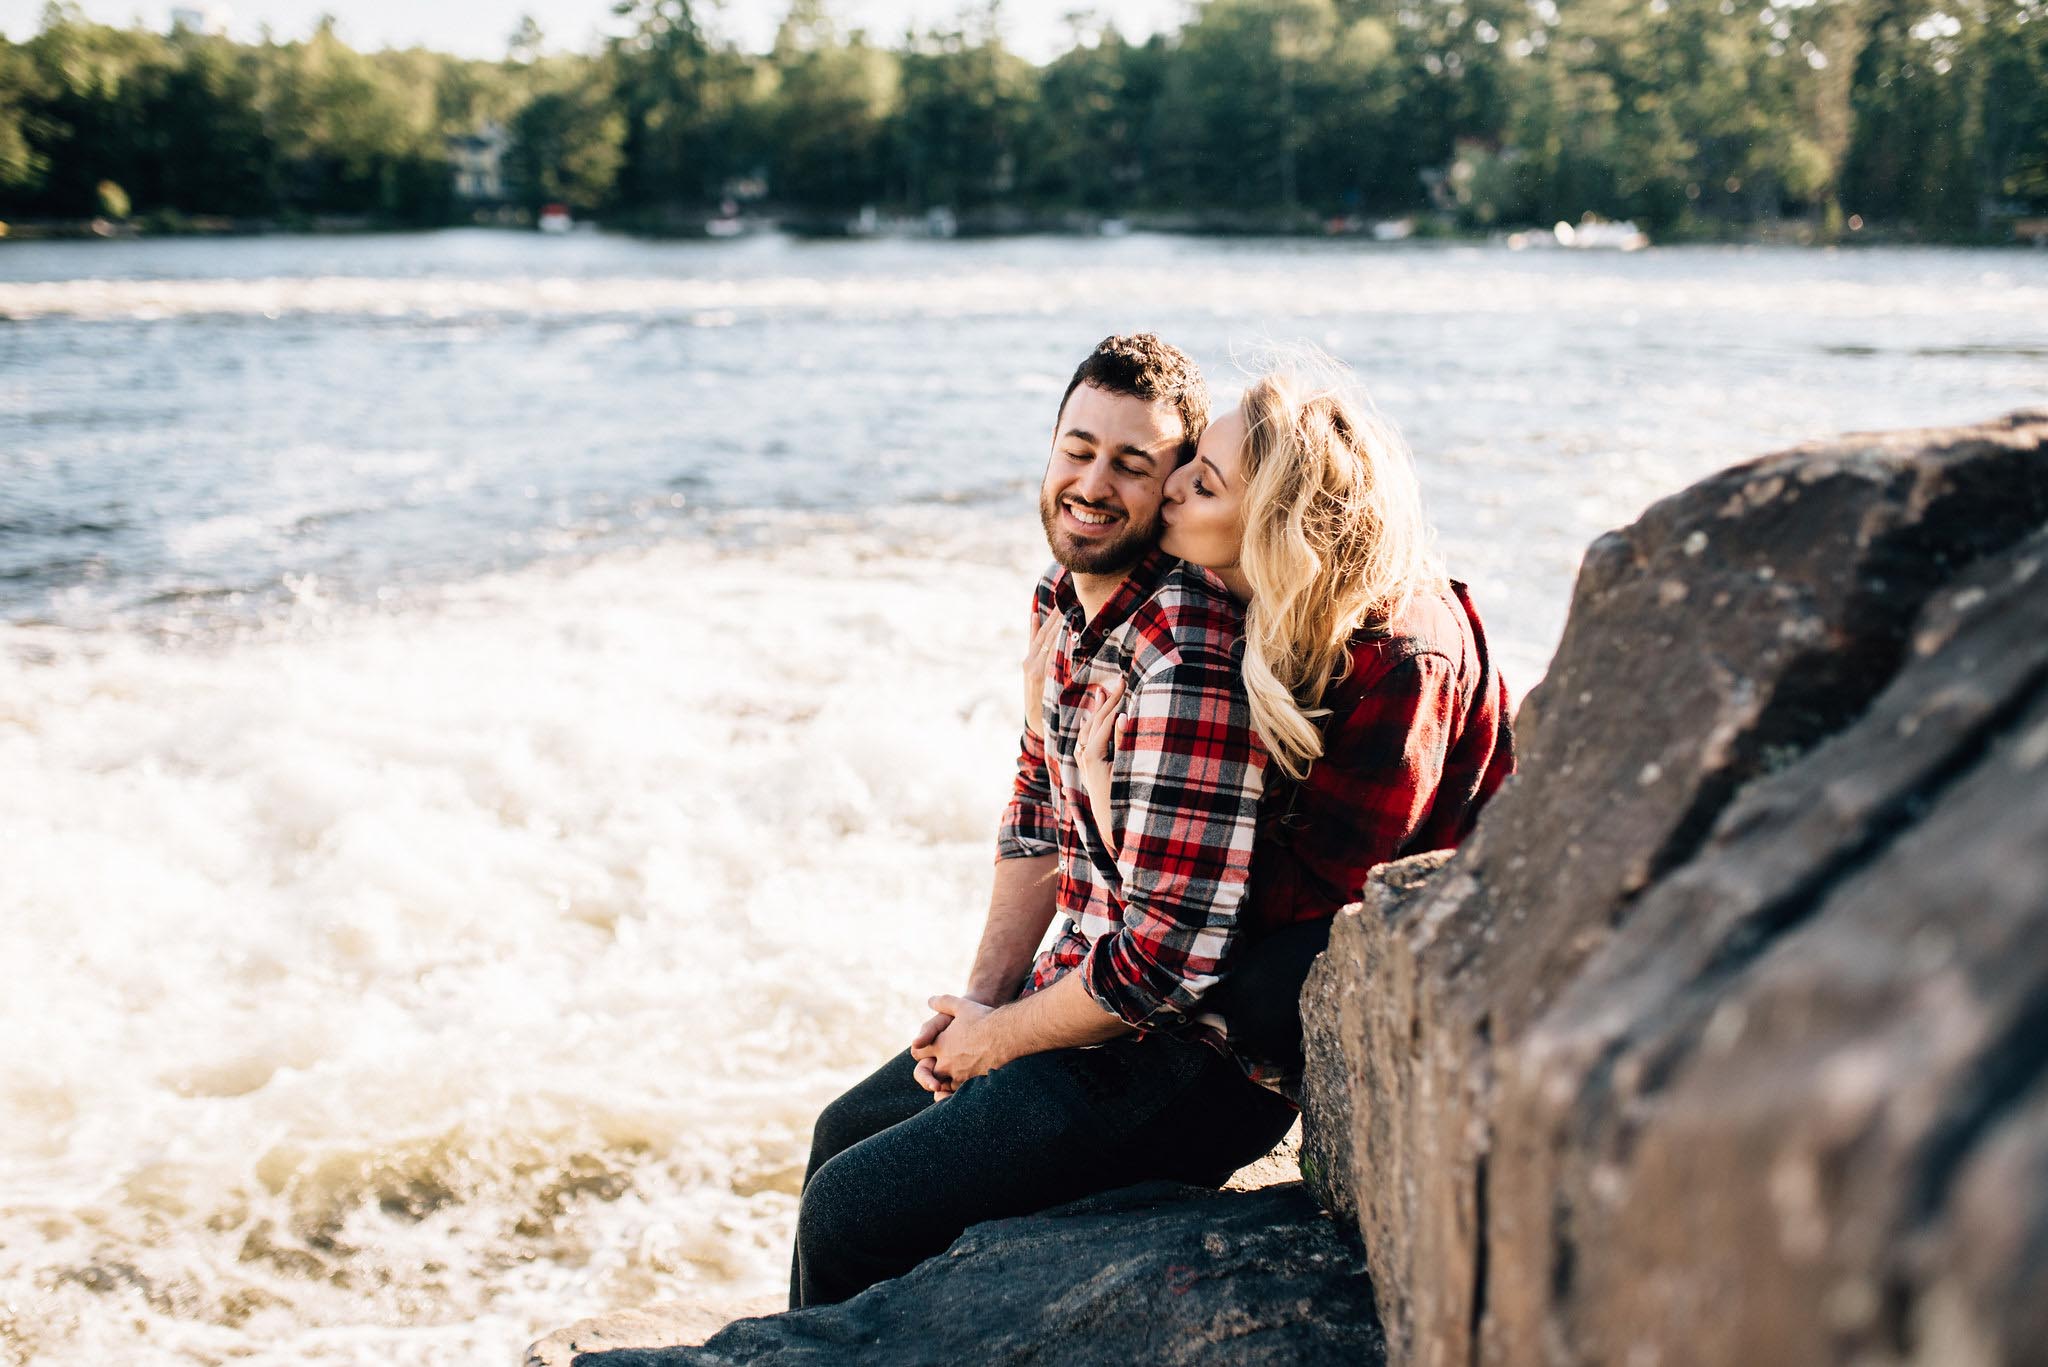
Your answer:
<point x="1417" y="740"/>
<point x="1149" y="928"/>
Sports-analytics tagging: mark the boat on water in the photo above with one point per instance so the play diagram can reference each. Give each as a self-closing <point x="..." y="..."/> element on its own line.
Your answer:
<point x="554" y="218"/>
<point x="1591" y="233"/>
<point x="1597" y="234"/>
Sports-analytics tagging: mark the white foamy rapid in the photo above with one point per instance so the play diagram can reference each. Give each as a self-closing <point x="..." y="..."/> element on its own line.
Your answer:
<point x="393" y="986"/>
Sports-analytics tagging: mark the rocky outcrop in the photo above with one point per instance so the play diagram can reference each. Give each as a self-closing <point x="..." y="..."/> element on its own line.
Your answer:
<point x="1725" y="1039"/>
<point x="1156" y="1274"/>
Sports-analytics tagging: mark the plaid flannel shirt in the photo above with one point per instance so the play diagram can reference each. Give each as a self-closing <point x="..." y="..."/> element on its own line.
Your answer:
<point x="1149" y="929"/>
<point x="1416" y="740"/>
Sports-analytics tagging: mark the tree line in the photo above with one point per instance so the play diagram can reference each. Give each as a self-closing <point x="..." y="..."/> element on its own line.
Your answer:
<point x="1694" y="117"/>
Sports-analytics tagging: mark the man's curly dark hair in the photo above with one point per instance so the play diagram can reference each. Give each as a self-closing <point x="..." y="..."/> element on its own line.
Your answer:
<point x="1144" y="367"/>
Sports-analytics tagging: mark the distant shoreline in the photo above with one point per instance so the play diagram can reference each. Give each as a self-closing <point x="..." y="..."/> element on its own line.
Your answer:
<point x="999" y="222"/>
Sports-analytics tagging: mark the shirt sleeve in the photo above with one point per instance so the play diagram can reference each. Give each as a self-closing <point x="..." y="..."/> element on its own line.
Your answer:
<point x="1028" y="827"/>
<point x="1188" y="772"/>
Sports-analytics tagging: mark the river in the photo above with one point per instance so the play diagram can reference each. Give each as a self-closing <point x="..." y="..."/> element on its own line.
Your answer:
<point x="499" y="729"/>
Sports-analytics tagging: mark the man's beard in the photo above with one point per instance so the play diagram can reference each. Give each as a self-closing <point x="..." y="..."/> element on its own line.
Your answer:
<point x="1115" y="556"/>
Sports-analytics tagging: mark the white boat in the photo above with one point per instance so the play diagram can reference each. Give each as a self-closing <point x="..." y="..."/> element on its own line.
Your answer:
<point x="554" y="218"/>
<point x="1597" y="234"/>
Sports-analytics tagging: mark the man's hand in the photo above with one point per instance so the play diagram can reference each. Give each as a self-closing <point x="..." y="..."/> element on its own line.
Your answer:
<point x="961" y="1050"/>
<point x="921" y="1049"/>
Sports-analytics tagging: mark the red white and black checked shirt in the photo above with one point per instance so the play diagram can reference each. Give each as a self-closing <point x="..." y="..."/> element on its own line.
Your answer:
<point x="1148" y="929"/>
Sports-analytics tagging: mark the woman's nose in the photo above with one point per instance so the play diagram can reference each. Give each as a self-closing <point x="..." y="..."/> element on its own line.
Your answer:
<point x="1176" y="485"/>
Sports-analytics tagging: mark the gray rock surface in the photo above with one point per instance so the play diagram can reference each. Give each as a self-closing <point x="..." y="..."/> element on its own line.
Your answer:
<point x="1337" y="1006"/>
<point x="1723" y="1040"/>
<point x="1155" y="1274"/>
<point x="652" y="1326"/>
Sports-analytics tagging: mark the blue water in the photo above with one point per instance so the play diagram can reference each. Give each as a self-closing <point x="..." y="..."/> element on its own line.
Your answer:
<point x="192" y="431"/>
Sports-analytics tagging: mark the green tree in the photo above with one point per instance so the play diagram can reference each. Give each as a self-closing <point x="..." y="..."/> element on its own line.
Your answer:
<point x="965" y="117"/>
<point x="829" y="112"/>
<point x="22" y="91"/>
<point x="1597" y="128"/>
<point x="209" y="148"/>
<point x="89" y="121"/>
<point x="568" y="144"/>
<point x="682" y="99"/>
<point x="1910" y="157"/>
<point x="1095" y="139"/>
<point x="1355" y="151"/>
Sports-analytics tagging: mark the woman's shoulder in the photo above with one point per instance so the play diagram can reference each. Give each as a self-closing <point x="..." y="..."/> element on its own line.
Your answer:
<point x="1433" y="622"/>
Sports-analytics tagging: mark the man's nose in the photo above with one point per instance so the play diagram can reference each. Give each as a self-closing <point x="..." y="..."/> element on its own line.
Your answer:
<point x="1095" y="484"/>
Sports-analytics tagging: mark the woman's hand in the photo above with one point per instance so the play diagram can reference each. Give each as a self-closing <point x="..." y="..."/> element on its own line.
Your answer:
<point x="1095" y="758"/>
<point x="1037" y="663"/>
<point x="923" y="1049"/>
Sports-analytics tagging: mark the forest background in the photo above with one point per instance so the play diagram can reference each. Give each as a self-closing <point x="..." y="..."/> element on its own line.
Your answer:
<point x="1815" y="119"/>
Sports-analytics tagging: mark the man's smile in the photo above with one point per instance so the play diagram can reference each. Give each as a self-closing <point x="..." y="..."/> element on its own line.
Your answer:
<point x="1089" y="519"/>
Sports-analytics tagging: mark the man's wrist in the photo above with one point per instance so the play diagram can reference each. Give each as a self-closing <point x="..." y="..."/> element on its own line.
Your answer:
<point x="991" y="992"/>
<point x="995" y="1037"/>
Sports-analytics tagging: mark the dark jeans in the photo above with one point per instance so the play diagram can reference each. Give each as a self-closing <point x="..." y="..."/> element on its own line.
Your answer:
<point x="895" y="1177"/>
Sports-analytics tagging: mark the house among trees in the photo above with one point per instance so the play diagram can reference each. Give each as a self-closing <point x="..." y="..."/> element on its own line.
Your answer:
<point x="477" y="161"/>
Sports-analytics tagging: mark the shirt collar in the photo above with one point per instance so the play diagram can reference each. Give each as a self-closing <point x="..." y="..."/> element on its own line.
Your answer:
<point x="1138" y="586"/>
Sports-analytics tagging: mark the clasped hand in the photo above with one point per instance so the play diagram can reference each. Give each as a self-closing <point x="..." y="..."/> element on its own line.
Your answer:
<point x="953" y="1046"/>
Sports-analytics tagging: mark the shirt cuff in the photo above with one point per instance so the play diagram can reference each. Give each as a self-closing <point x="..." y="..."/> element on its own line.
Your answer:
<point x="1018" y="845"/>
<point x="1134" y="988"/>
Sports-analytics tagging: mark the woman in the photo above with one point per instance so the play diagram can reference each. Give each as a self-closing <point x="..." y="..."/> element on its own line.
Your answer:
<point x="1385" y="723"/>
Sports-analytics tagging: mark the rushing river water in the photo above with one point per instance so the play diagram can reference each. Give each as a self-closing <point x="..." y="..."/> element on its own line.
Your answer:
<point x="497" y="730"/>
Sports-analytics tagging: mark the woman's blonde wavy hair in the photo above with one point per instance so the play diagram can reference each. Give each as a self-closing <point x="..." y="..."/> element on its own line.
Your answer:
<point x="1335" y="541"/>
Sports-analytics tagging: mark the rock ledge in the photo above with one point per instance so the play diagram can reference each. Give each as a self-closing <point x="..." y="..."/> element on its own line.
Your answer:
<point x="1158" y="1274"/>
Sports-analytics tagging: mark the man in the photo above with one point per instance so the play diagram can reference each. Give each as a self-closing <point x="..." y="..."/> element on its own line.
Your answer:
<point x="1044" y="1082"/>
